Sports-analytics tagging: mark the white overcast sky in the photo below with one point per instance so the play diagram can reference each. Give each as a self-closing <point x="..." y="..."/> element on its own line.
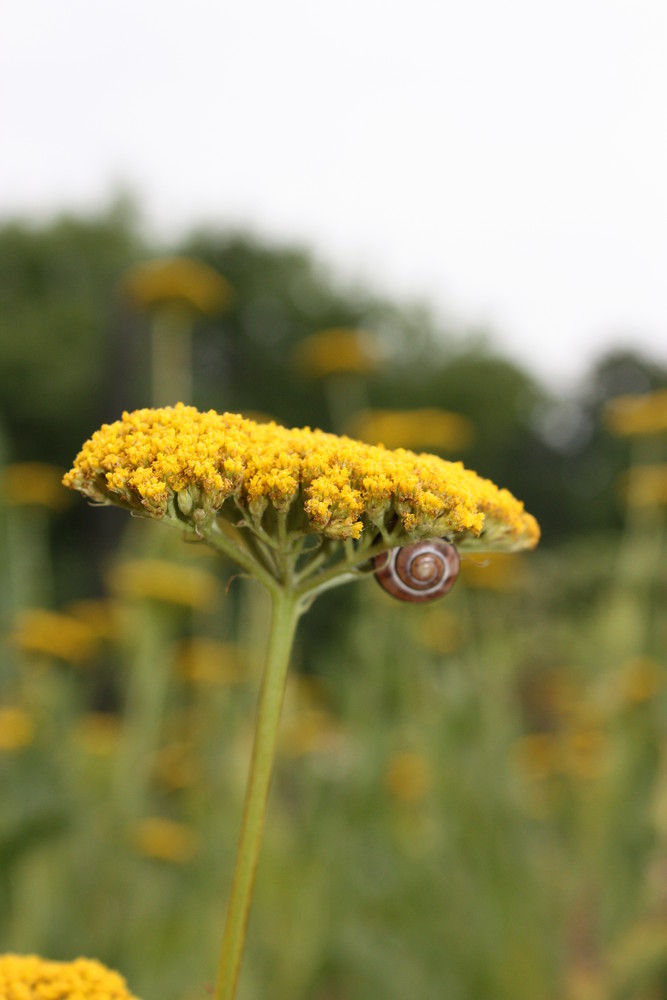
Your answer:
<point x="507" y="161"/>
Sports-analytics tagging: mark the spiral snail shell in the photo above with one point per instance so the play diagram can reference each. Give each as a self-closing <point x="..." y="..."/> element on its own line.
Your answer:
<point x="418" y="573"/>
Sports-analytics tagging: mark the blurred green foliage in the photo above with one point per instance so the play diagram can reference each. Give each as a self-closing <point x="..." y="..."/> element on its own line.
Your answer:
<point x="471" y="798"/>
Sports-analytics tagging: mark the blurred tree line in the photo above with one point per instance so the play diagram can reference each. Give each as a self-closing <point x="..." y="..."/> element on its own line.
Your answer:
<point x="74" y="353"/>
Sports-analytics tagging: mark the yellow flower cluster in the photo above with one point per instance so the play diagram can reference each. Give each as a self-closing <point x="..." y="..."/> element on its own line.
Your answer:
<point x="177" y="279"/>
<point x="408" y="777"/>
<point x="643" y="414"/>
<point x="28" y="977"/>
<point x="496" y="571"/>
<point x="17" y="729"/>
<point x="54" y="634"/>
<point x="425" y="428"/>
<point x="337" y="351"/>
<point x="164" y="839"/>
<point x="160" y="580"/>
<point x="185" y="465"/>
<point x="32" y="483"/>
<point x="645" y="485"/>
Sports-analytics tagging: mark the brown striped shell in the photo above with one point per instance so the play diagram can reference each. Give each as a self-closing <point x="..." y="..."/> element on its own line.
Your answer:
<point x="418" y="573"/>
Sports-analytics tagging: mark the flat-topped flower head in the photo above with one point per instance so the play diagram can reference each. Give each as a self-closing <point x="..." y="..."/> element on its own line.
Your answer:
<point x="214" y="473"/>
<point x="28" y="977"/>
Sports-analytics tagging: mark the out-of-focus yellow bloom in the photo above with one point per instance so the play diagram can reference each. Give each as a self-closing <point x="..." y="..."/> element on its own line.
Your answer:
<point x="98" y="733"/>
<point x="35" y="483"/>
<point x="645" y="486"/>
<point x="336" y="351"/>
<point x="640" y="680"/>
<point x="585" y="753"/>
<point x="586" y="983"/>
<point x="416" y="429"/>
<point x="164" y="839"/>
<point x="641" y="950"/>
<point x="179" y="280"/>
<point x="581" y="753"/>
<point x="207" y="661"/>
<point x="98" y="614"/>
<point x="537" y="755"/>
<point x="54" y="634"/>
<point x="551" y="698"/>
<point x="28" y="977"/>
<point x="439" y="630"/>
<point x="497" y="571"/>
<point x="174" y="767"/>
<point x="305" y="692"/>
<point x="310" y="731"/>
<point x="17" y="729"/>
<point x="159" y="580"/>
<point x="644" y="414"/>
<point x="408" y="777"/>
<point x="182" y="465"/>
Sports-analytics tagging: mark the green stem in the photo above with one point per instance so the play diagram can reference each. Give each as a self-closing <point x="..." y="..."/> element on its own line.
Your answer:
<point x="285" y="614"/>
<point x="145" y="702"/>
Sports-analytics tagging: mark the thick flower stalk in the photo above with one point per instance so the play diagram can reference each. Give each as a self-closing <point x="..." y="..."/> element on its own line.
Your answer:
<point x="300" y="510"/>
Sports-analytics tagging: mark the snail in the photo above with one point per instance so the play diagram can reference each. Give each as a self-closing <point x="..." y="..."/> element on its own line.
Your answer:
<point x="419" y="573"/>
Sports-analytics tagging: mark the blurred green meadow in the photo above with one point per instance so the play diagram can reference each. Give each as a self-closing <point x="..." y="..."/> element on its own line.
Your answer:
<point x="470" y="800"/>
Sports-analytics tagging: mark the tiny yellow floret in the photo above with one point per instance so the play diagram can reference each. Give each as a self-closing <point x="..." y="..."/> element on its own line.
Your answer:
<point x="188" y="467"/>
<point x="29" y="977"/>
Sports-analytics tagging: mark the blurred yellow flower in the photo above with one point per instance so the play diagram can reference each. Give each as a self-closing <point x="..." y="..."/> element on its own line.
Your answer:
<point x="160" y="580"/>
<point x="174" y="767"/>
<point x="536" y="755"/>
<point x="551" y="696"/>
<point x="98" y="733"/>
<point x="32" y="483"/>
<point x="408" y="777"/>
<point x="643" y="414"/>
<point x="54" y="634"/>
<point x="28" y="977"/>
<point x="645" y="485"/>
<point x="585" y="982"/>
<point x="17" y="729"/>
<point x="585" y="753"/>
<point x="640" y="679"/>
<point x="338" y="350"/>
<point x="640" y="951"/>
<point x="416" y="429"/>
<point x="100" y="615"/>
<point x="164" y="839"/>
<point x="208" y="661"/>
<point x="178" y="280"/>
<point x="496" y="571"/>
<point x="437" y="629"/>
<point x="582" y="753"/>
<point x="310" y="731"/>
